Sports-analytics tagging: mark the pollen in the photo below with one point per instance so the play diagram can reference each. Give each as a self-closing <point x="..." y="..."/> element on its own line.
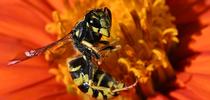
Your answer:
<point x="144" y="29"/>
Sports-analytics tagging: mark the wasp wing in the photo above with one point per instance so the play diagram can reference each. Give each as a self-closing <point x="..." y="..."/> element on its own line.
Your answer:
<point x="35" y="52"/>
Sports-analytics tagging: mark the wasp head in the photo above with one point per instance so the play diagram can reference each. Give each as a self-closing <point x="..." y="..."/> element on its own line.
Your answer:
<point x="99" y="21"/>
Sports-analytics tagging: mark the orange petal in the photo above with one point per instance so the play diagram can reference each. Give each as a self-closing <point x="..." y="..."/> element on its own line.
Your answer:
<point x="10" y="47"/>
<point x="200" y="64"/>
<point x="187" y="11"/>
<point x="22" y="21"/>
<point x="204" y="18"/>
<point x="201" y="42"/>
<point x="47" y="89"/>
<point x="158" y="96"/>
<point x="29" y="78"/>
<point x="58" y="5"/>
<point x="196" y="87"/>
<point x="184" y="94"/>
<point x="21" y="75"/>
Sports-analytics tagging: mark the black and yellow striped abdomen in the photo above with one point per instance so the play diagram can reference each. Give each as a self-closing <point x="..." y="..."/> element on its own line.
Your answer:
<point x="99" y="85"/>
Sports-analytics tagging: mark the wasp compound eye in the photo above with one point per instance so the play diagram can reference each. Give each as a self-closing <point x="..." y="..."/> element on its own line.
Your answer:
<point x="95" y="22"/>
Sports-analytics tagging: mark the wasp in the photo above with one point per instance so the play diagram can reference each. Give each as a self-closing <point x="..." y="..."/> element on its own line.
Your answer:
<point x="85" y="36"/>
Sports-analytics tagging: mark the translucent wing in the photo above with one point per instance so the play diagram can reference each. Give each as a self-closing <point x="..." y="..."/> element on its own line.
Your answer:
<point x="35" y="52"/>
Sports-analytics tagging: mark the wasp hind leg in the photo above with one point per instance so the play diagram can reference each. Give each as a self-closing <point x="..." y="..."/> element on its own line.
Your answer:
<point x="126" y="88"/>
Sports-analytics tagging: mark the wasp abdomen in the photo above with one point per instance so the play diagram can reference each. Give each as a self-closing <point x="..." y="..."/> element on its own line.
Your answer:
<point x="102" y="83"/>
<point x="86" y="88"/>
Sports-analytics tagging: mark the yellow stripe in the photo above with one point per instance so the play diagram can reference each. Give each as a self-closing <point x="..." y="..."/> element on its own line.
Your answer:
<point x="106" y="92"/>
<point x="95" y="29"/>
<point x="103" y="23"/>
<point x="90" y="91"/>
<point x="109" y="94"/>
<point x="75" y="69"/>
<point x="94" y="17"/>
<point x="104" y="32"/>
<point x="89" y="45"/>
<point x="85" y="78"/>
<point x="78" y="81"/>
<point x="86" y="43"/>
<point x="77" y="33"/>
<point x="87" y="25"/>
<point x="100" y="96"/>
<point x="110" y="84"/>
<point x="100" y="79"/>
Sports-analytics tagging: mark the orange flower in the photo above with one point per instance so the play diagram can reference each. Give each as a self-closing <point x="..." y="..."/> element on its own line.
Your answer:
<point x="193" y="53"/>
<point x="22" y="27"/>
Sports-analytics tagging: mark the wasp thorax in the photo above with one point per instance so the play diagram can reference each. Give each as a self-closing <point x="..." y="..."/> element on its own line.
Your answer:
<point x="99" y="20"/>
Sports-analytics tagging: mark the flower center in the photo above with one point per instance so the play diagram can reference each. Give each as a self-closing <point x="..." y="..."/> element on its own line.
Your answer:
<point x="144" y="29"/>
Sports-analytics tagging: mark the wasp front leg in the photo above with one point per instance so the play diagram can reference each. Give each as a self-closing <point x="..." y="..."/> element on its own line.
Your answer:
<point x="88" y="49"/>
<point x="89" y="53"/>
<point x="108" y="47"/>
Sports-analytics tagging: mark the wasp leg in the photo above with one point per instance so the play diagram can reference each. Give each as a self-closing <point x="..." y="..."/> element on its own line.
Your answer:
<point x="105" y="89"/>
<point x="108" y="45"/>
<point x="108" y="48"/>
<point x="102" y="92"/>
<point x="125" y="88"/>
<point x="104" y="42"/>
<point x="92" y="50"/>
<point x="101" y="88"/>
<point x="96" y="92"/>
